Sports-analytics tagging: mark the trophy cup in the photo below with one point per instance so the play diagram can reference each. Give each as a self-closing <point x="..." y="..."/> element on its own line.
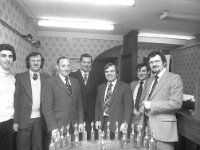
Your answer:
<point x="62" y="141"/>
<point x="108" y="131"/>
<point x="146" y="139"/>
<point x="68" y="137"/>
<point x="76" y="133"/>
<point x="116" y="132"/>
<point x="124" y="136"/>
<point x="99" y="132"/>
<point x="57" y="140"/>
<point x="84" y="133"/>
<point x="152" y="142"/>
<point x="132" y="136"/>
<point x="92" y="131"/>
<point x="139" y="137"/>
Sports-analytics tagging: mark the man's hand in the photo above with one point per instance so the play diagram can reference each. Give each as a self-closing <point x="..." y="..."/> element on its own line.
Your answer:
<point x="15" y="127"/>
<point x="147" y="105"/>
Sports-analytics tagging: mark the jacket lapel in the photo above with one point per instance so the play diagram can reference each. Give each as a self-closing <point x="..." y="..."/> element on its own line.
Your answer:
<point x="115" y="91"/>
<point x="27" y="84"/>
<point x="160" y="84"/>
<point x="61" y="84"/>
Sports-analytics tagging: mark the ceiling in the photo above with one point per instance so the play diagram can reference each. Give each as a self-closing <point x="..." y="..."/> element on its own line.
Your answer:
<point x="143" y="16"/>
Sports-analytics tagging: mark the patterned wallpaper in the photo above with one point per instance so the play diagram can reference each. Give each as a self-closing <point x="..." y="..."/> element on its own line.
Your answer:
<point x="54" y="47"/>
<point x="12" y="15"/>
<point x="184" y="62"/>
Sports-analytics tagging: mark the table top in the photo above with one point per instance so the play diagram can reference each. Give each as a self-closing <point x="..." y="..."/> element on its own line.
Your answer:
<point x="107" y="145"/>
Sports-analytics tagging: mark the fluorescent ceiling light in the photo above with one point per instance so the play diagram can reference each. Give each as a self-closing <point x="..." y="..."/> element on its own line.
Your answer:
<point x="77" y="23"/>
<point x="105" y="2"/>
<point x="180" y="16"/>
<point x="169" y="36"/>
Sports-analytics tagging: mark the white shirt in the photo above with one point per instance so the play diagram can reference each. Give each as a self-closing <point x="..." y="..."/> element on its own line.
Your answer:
<point x="36" y="89"/>
<point x="7" y="89"/>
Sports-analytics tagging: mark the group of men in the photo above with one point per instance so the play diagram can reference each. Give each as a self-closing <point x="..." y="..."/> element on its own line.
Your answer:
<point x="36" y="105"/>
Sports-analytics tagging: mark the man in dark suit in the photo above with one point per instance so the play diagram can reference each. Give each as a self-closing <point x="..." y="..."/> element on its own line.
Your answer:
<point x="88" y="82"/>
<point x="61" y="99"/>
<point x="139" y="90"/>
<point x="114" y="101"/>
<point x="165" y="96"/>
<point x="28" y="104"/>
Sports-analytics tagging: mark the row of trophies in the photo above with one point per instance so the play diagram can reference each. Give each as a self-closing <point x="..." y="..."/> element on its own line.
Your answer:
<point x="138" y="139"/>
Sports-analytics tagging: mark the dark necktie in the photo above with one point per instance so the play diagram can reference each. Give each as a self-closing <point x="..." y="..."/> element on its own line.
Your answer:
<point x="139" y="93"/>
<point x="68" y="85"/>
<point x="85" y="78"/>
<point x="107" y="99"/>
<point x="153" y="86"/>
<point x="35" y="76"/>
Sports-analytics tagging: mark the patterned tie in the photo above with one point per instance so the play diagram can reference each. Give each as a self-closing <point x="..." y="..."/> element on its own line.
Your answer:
<point x="85" y="78"/>
<point x="107" y="99"/>
<point x="139" y="93"/>
<point x="68" y="85"/>
<point x="35" y="76"/>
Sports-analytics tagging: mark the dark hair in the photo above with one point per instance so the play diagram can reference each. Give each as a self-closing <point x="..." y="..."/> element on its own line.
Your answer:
<point x="63" y="57"/>
<point x="8" y="47"/>
<point x="85" y="55"/>
<point x="161" y="54"/>
<point x="111" y="64"/>
<point x="139" y="66"/>
<point x="33" y="54"/>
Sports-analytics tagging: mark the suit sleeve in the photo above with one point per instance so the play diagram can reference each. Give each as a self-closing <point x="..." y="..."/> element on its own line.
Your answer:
<point x="128" y="103"/>
<point x="16" y="99"/>
<point x="47" y="106"/>
<point x="174" y="100"/>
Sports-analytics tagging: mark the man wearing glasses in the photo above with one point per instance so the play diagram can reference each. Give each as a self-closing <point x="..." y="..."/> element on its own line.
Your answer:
<point x="163" y="99"/>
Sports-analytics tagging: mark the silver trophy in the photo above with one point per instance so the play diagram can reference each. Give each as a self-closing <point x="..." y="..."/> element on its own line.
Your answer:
<point x="132" y="136"/>
<point x="68" y="136"/>
<point x="62" y="140"/>
<point x="76" y="133"/>
<point x="116" y="131"/>
<point x="108" y="131"/>
<point x="92" y="131"/>
<point x="152" y="142"/>
<point x="146" y="139"/>
<point x="84" y="133"/>
<point x="99" y="131"/>
<point x="139" y="137"/>
<point x="124" y="136"/>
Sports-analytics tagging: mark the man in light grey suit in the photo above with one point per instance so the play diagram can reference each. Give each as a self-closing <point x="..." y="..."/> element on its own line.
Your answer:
<point x="163" y="99"/>
<point x="139" y="90"/>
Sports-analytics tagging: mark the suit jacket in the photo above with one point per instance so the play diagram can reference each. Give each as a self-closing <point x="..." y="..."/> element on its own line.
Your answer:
<point x="23" y="98"/>
<point x="121" y="106"/>
<point x="59" y="107"/>
<point x="166" y="98"/>
<point x="88" y="92"/>
<point x="137" y="117"/>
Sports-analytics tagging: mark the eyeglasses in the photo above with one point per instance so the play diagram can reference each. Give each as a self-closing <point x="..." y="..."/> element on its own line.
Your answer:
<point x="156" y="62"/>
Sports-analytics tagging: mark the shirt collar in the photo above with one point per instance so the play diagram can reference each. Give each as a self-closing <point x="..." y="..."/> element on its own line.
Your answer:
<point x="113" y="83"/>
<point x="83" y="73"/>
<point x="161" y="73"/>
<point x="31" y="73"/>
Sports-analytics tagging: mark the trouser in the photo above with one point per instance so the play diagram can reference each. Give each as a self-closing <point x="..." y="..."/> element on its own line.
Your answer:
<point x="6" y="135"/>
<point x="30" y="138"/>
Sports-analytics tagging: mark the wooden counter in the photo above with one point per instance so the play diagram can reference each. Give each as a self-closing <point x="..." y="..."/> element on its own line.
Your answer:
<point x="188" y="126"/>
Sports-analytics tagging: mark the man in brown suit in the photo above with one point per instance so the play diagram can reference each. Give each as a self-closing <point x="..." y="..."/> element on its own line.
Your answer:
<point x="114" y="101"/>
<point x="61" y="99"/>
